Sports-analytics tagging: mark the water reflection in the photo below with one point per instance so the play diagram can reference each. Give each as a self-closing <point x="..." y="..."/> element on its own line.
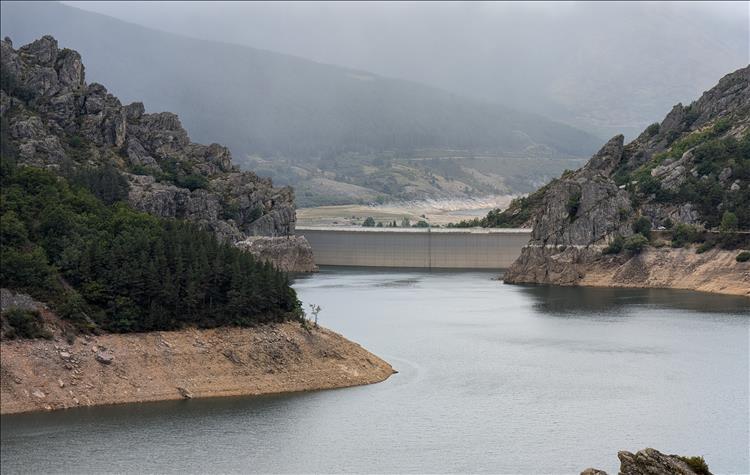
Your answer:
<point x="572" y="301"/>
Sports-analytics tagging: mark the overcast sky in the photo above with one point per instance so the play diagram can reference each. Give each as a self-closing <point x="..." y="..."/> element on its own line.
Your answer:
<point x="604" y="66"/>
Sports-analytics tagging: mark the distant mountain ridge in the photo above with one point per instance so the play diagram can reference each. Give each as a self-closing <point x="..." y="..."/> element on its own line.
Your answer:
<point x="268" y="104"/>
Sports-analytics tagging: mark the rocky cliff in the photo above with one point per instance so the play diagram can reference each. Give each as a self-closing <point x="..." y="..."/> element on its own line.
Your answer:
<point x="55" y="119"/>
<point x="652" y="462"/>
<point x="688" y="174"/>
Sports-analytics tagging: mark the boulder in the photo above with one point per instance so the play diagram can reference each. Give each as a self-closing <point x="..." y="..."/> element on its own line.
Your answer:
<point x="593" y="471"/>
<point x="288" y="253"/>
<point x="104" y="357"/>
<point x="652" y="462"/>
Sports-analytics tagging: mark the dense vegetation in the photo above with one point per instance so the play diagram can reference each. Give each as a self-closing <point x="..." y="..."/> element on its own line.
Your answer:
<point x="706" y="189"/>
<point x="106" y="266"/>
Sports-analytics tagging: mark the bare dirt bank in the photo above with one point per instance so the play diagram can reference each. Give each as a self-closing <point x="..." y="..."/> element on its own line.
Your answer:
<point x="715" y="271"/>
<point x="49" y="374"/>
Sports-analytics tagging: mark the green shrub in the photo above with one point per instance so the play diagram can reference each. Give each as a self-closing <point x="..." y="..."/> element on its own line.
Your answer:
<point x="649" y="185"/>
<point x="743" y="256"/>
<point x="728" y="227"/>
<point x="728" y="222"/>
<point x="369" y="222"/>
<point x="697" y="464"/>
<point x="653" y="129"/>
<point x="642" y="226"/>
<point x="574" y="202"/>
<point x="27" y="270"/>
<point x="422" y="224"/>
<point x="683" y="234"/>
<point x="106" y="182"/>
<point x="24" y="324"/>
<point x="706" y="246"/>
<point x="615" y="247"/>
<point x="635" y="243"/>
<point x="12" y="230"/>
<point x="191" y="182"/>
<point x="76" y="141"/>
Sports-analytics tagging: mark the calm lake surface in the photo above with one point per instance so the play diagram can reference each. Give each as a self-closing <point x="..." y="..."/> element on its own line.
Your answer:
<point x="492" y="378"/>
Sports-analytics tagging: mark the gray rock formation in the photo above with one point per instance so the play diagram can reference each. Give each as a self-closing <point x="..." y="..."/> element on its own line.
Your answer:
<point x="10" y="300"/>
<point x="593" y="471"/>
<point x="650" y="462"/>
<point x="288" y="253"/>
<point x="104" y="357"/>
<point x="54" y="118"/>
<point x="576" y="216"/>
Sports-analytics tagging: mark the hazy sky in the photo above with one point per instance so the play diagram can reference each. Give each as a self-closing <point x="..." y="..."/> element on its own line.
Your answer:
<point x="603" y="66"/>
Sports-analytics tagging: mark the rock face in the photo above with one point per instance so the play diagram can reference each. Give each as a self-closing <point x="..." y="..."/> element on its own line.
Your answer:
<point x="54" y="119"/>
<point x="576" y="216"/>
<point x="650" y="462"/>
<point x="288" y="253"/>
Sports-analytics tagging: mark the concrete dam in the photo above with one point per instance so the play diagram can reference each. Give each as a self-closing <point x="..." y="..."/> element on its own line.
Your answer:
<point x="432" y="248"/>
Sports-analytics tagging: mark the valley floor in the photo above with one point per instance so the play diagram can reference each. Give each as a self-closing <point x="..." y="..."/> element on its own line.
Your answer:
<point x="51" y="374"/>
<point x="438" y="212"/>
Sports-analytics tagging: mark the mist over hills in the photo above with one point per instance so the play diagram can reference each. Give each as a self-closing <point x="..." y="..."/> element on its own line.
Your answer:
<point x="607" y="67"/>
<point x="263" y="103"/>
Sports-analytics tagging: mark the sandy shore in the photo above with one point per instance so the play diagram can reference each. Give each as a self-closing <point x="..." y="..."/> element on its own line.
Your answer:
<point x="52" y="374"/>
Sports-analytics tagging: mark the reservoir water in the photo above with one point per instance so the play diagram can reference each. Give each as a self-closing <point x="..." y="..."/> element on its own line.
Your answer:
<point x="492" y="378"/>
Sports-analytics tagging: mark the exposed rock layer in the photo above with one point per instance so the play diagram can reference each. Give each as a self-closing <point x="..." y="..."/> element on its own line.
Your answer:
<point x="576" y="216"/>
<point x="648" y="462"/>
<point x="715" y="271"/>
<point x="140" y="367"/>
<point x="54" y="119"/>
<point x="288" y="253"/>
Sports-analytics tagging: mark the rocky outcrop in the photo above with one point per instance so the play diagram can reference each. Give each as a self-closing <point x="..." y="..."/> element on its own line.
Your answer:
<point x="652" y="462"/>
<point x="288" y="253"/>
<point x="576" y="216"/>
<point x="56" y="119"/>
<point x="716" y="271"/>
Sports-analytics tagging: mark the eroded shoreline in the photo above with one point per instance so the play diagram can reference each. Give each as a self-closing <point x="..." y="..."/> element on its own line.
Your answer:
<point x="39" y="375"/>
<point x="715" y="271"/>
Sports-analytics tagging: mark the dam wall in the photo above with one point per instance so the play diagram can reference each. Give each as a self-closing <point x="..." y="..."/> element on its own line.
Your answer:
<point x="438" y="248"/>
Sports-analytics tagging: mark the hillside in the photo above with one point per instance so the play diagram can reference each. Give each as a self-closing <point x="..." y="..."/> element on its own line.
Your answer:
<point x="53" y="119"/>
<point x="687" y="178"/>
<point x="274" y="106"/>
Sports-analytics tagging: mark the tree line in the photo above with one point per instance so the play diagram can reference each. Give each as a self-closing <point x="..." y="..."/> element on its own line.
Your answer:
<point x="102" y="265"/>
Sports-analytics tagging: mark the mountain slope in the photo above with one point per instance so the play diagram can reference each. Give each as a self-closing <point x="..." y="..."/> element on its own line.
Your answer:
<point x="607" y="67"/>
<point x="688" y="177"/>
<point x="52" y="118"/>
<point x="259" y="102"/>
